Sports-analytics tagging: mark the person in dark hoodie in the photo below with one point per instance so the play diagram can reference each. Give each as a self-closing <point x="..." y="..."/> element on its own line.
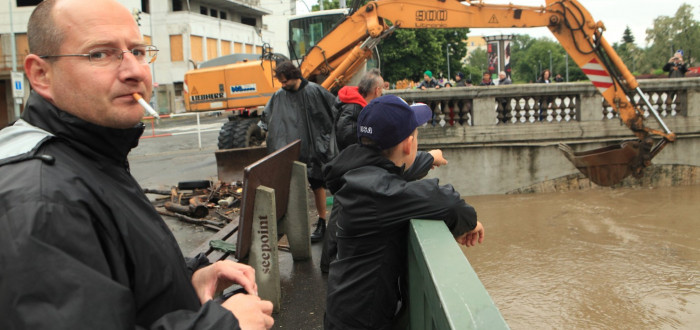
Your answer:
<point x="377" y="192"/>
<point x="81" y="246"/>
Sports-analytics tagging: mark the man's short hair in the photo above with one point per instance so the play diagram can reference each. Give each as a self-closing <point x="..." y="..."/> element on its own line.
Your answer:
<point x="288" y="70"/>
<point x="370" y="81"/>
<point x="45" y="38"/>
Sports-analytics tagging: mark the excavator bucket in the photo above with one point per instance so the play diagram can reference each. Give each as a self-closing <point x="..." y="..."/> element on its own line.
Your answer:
<point x="605" y="166"/>
<point x="231" y="162"/>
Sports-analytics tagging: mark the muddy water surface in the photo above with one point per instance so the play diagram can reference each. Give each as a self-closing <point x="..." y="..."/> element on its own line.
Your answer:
<point x="598" y="259"/>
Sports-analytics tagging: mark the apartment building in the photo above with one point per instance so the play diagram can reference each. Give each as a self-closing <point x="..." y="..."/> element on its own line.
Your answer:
<point x="187" y="32"/>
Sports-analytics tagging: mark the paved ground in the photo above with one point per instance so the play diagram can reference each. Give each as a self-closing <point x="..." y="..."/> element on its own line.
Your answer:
<point x="163" y="161"/>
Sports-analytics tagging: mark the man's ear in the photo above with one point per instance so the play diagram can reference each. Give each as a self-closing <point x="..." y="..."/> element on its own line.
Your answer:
<point x="39" y="73"/>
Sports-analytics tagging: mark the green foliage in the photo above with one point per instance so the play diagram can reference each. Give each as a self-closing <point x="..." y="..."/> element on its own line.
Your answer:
<point x="529" y="57"/>
<point x="627" y="37"/>
<point x="669" y="34"/>
<point x="409" y="52"/>
<point x="476" y="63"/>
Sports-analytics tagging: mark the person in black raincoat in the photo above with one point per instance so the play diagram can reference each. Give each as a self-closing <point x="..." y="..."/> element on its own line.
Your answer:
<point x="81" y="246"/>
<point x="348" y="105"/>
<point x="303" y="110"/>
<point x="376" y="196"/>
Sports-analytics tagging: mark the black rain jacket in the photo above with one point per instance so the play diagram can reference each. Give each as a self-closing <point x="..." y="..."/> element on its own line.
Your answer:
<point x="305" y="114"/>
<point x="81" y="247"/>
<point x="375" y="202"/>
<point x="348" y="109"/>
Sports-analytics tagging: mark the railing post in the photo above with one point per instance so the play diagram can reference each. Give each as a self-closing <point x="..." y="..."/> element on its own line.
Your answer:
<point x="693" y="102"/>
<point x="590" y="105"/>
<point x="484" y="111"/>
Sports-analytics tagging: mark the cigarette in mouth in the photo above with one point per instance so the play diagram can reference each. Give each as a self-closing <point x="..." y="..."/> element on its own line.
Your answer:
<point x="145" y="105"/>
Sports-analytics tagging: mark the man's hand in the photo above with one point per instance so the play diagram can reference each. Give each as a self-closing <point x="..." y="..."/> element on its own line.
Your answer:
<point x="251" y="312"/>
<point x="422" y="87"/>
<point x="473" y="236"/>
<point x="438" y="159"/>
<point x="211" y="280"/>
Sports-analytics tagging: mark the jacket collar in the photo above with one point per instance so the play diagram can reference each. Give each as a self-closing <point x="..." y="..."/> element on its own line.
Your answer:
<point x="112" y="143"/>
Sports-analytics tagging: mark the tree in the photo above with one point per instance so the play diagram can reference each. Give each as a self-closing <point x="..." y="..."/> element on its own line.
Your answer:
<point x="669" y="34"/>
<point x="476" y="63"/>
<point x="628" y="51"/>
<point x="627" y="37"/>
<point x="409" y="52"/>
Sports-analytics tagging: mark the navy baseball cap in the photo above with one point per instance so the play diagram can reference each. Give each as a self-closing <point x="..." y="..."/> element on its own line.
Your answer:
<point x="388" y="120"/>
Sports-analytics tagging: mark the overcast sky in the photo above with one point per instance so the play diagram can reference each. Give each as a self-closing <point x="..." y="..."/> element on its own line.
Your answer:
<point x="615" y="14"/>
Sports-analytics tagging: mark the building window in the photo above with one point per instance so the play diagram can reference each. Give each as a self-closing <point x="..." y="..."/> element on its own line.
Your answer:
<point x="177" y="5"/>
<point x="214" y="13"/>
<point x="222" y="14"/>
<point x="203" y="10"/>
<point x="146" y="6"/>
<point x="27" y="3"/>
<point x="248" y="21"/>
<point x="176" y="49"/>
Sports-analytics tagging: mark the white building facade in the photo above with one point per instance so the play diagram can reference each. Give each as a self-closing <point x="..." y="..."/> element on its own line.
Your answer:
<point x="187" y="32"/>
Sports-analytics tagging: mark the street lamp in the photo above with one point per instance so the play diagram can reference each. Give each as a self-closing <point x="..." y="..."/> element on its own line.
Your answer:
<point x="16" y="102"/>
<point x="567" y="67"/>
<point x="447" y="51"/>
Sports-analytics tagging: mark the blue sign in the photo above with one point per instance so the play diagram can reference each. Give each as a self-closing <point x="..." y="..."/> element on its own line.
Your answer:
<point x="18" y="84"/>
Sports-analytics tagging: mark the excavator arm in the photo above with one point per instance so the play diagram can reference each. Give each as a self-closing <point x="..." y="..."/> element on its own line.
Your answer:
<point x="342" y="52"/>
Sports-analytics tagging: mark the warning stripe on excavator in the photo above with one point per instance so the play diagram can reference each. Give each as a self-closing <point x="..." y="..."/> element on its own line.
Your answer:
<point x="598" y="76"/>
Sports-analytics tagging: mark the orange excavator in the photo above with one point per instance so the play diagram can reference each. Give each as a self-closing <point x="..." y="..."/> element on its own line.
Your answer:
<point x="341" y="53"/>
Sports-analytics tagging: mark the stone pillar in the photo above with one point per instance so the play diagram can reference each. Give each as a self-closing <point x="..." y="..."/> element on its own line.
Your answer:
<point x="693" y="102"/>
<point x="264" y="255"/>
<point x="484" y="111"/>
<point x="296" y="223"/>
<point x="590" y="106"/>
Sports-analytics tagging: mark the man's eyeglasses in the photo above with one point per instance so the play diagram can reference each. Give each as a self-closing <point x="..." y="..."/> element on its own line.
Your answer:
<point x="114" y="56"/>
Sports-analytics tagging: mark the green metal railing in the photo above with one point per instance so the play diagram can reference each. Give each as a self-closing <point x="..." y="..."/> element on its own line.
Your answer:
<point x="444" y="291"/>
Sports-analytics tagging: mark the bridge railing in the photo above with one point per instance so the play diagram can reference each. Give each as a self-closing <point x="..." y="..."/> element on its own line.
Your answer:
<point x="548" y="111"/>
<point x="444" y="291"/>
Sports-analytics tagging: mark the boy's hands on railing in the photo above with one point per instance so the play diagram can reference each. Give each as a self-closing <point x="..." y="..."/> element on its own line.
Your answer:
<point x="473" y="236"/>
<point x="438" y="159"/>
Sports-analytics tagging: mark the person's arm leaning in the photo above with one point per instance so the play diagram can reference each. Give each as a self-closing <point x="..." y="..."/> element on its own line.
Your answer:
<point x="425" y="161"/>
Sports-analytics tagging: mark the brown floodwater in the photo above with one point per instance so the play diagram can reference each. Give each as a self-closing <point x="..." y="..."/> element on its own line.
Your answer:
<point x="596" y="259"/>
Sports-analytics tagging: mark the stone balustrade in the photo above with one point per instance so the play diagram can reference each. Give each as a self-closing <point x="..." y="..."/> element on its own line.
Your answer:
<point x="515" y="129"/>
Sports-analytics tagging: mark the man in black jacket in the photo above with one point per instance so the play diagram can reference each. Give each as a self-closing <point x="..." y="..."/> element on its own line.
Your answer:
<point x="376" y="200"/>
<point x="303" y="110"/>
<point x="81" y="247"/>
<point x="349" y="103"/>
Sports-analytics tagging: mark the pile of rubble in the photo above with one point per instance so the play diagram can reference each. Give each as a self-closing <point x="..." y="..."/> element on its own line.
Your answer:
<point x="211" y="205"/>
